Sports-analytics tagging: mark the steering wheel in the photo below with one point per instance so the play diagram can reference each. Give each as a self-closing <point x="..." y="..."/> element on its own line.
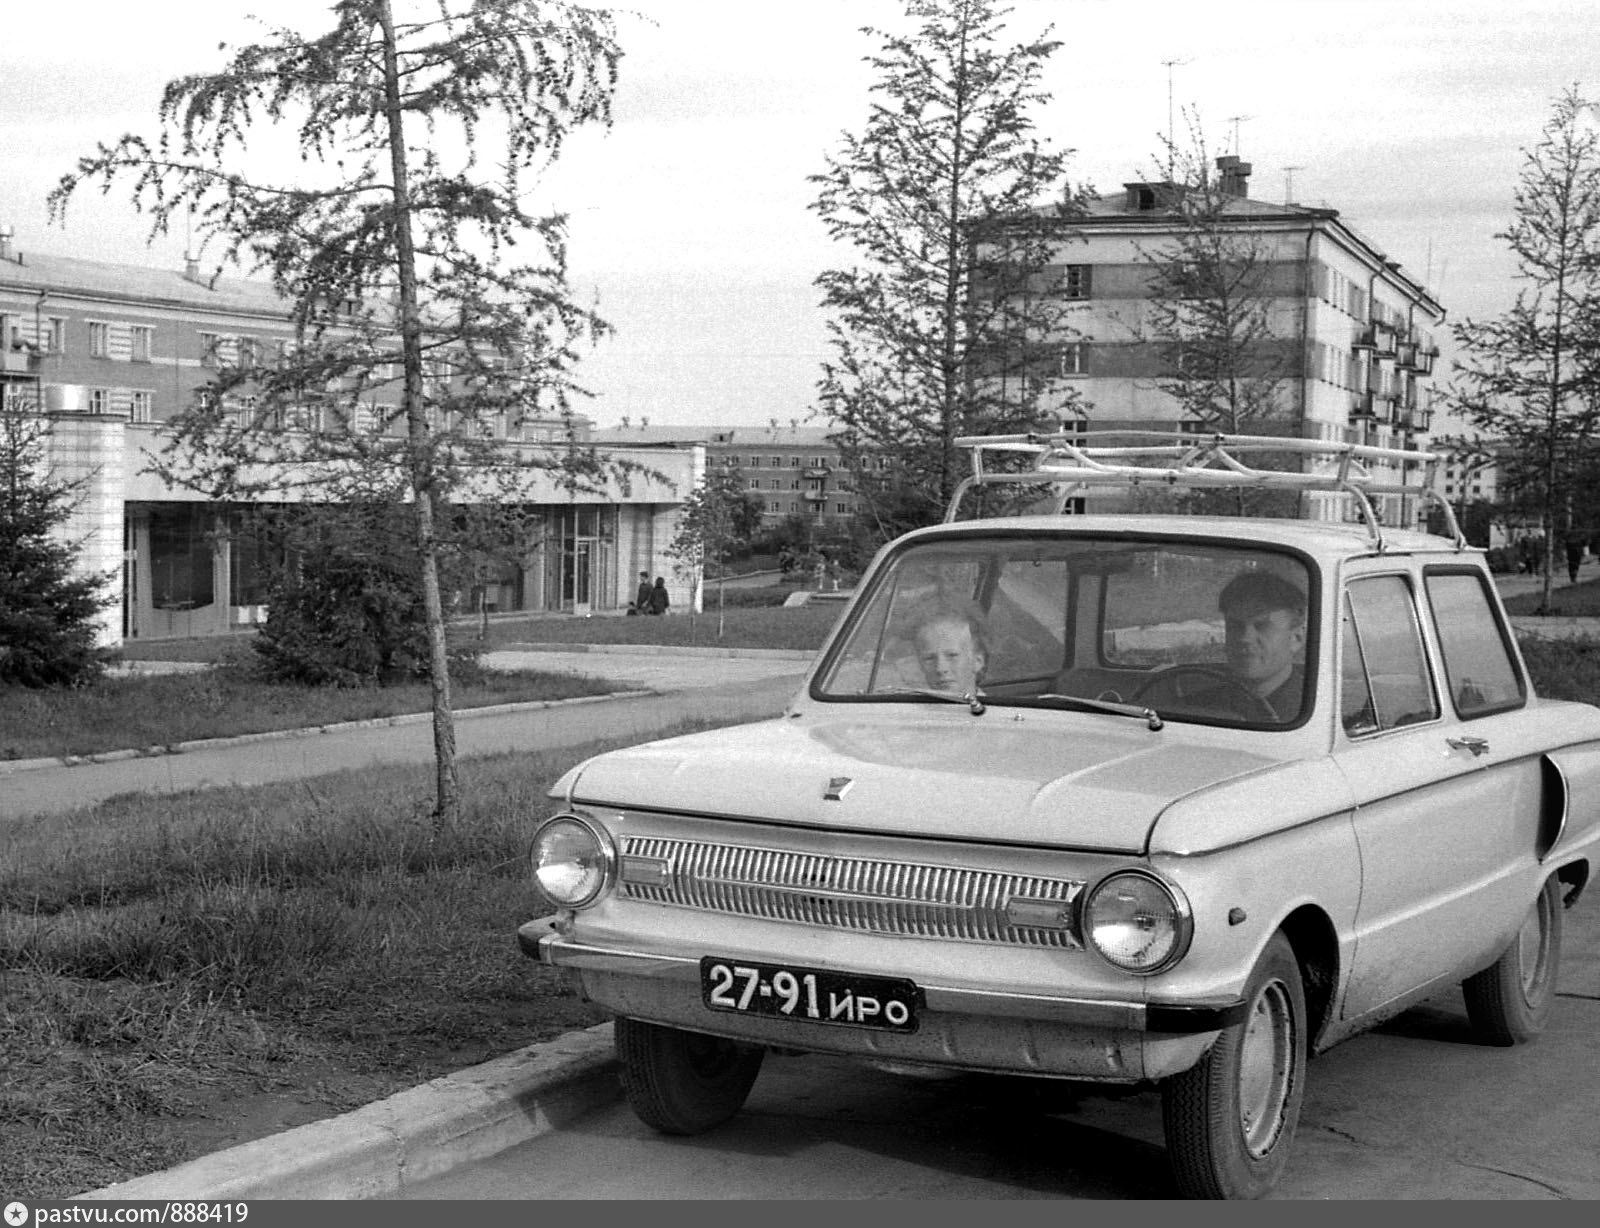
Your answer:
<point x="1222" y="691"/>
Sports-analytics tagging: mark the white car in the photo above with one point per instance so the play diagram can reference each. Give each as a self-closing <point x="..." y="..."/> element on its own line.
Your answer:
<point x="1179" y="799"/>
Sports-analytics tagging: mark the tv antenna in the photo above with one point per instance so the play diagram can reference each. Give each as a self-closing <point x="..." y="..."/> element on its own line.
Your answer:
<point x="1288" y="183"/>
<point x="1171" y="133"/>
<point x="1236" y="120"/>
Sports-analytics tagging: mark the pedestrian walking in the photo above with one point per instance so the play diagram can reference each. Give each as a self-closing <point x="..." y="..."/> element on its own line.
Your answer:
<point x="659" y="601"/>
<point x="641" y="599"/>
<point x="1574" y="547"/>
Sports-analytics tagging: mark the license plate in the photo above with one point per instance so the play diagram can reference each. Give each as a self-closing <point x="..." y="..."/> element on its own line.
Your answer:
<point x="810" y="994"/>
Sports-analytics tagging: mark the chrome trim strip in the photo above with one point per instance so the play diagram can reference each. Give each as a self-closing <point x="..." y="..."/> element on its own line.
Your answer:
<point x="561" y="952"/>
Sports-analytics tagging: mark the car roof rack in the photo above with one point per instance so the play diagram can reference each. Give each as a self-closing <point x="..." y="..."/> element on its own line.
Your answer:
<point x="1074" y="461"/>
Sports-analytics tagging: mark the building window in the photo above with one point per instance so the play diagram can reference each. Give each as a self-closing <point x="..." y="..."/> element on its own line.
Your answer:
<point x="54" y="340"/>
<point x="777" y="462"/>
<point x="776" y="484"/>
<point x="99" y="340"/>
<point x="139" y="407"/>
<point x="755" y="462"/>
<point x="99" y="400"/>
<point x="755" y="483"/>
<point x="210" y="344"/>
<point x="143" y="338"/>
<point x="774" y="506"/>
<point x="794" y="462"/>
<point x="1071" y="359"/>
<point x="1077" y="281"/>
<point x="842" y="508"/>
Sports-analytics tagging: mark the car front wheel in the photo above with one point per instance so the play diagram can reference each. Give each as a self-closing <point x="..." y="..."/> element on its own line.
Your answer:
<point x="1509" y="1001"/>
<point x="683" y="1082"/>
<point x="1230" y="1119"/>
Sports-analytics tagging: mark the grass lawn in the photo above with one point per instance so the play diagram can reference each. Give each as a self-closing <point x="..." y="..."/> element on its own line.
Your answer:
<point x="124" y="713"/>
<point x="180" y="973"/>
<point x="1566" y="601"/>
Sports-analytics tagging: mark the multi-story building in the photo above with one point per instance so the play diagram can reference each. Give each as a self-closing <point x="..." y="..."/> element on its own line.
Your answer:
<point x="794" y="470"/>
<point x="1353" y="333"/>
<point x="107" y="353"/>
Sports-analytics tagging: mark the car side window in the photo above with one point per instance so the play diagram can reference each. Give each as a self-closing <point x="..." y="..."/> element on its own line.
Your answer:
<point x="1478" y="665"/>
<point x="1384" y="677"/>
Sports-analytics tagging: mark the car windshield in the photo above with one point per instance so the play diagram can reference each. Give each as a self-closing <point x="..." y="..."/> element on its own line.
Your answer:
<point x="1201" y="632"/>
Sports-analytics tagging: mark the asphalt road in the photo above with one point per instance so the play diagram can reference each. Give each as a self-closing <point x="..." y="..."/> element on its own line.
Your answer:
<point x="1415" y="1110"/>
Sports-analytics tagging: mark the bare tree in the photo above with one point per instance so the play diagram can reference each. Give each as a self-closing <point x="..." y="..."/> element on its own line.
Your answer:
<point x="1531" y="376"/>
<point x="415" y="126"/>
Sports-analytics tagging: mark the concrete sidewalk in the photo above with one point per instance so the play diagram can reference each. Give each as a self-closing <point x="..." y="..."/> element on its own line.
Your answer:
<point x="655" y="692"/>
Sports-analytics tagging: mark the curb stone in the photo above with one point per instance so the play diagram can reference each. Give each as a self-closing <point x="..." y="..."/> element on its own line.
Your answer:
<point x="376" y="1151"/>
<point x="9" y="766"/>
<point x="663" y="650"/>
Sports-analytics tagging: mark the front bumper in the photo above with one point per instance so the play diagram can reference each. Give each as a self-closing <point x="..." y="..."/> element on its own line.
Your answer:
<point x="974" y="1028"/>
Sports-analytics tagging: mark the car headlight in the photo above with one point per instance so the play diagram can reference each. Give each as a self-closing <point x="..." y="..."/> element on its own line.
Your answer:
<point x="1137" y="922"/>
<point x="574" y="861"/>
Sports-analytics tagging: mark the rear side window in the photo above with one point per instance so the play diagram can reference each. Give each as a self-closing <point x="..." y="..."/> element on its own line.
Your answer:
<point x="1384" y="677"/>
<point x="1478" y="664"/>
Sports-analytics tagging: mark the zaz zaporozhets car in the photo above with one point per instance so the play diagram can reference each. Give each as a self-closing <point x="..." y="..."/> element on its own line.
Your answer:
<point x="1126" y="798"/>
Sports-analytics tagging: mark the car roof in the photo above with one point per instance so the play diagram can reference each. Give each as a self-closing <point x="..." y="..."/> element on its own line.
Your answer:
<point x="1324" y="540"/>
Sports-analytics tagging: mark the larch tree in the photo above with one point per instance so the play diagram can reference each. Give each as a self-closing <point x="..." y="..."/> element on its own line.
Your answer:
<point x="952" y="319"/>
<point x="1530" y="377"/>
<point x="718" y="516"/>
<point x="1212" y="312"/>
<point x="411" y="132"/>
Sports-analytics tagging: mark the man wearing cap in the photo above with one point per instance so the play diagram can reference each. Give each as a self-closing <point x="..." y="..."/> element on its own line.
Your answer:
<point x="1265" y="617"/>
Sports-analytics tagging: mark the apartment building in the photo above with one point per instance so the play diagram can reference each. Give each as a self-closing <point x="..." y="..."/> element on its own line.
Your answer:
<point x="1354" y="333"/>
<point x="794" y="470"/>
<point x="107" y="353"/>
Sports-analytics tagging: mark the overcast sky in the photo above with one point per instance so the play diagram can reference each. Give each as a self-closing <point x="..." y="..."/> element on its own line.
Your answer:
<point x="690" y="217"/>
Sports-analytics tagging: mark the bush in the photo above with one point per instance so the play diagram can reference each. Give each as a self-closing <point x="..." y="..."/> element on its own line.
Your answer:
<point x="1501" y="559"/>
<point x="344" y="606"/>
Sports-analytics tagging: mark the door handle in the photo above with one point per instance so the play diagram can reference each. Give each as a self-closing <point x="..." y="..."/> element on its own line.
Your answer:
<point x="1478" y="746"/>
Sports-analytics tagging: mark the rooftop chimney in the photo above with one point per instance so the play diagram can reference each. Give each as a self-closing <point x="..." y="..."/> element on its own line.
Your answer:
<point x="191" y="267"/>
<point x="1235" y="175"/>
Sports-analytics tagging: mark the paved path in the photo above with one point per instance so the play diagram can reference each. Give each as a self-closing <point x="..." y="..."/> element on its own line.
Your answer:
<point x="690" y="686"/>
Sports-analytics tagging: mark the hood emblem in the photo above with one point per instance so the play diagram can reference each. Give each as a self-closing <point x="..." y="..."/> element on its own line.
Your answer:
<point x="838" y="786"/>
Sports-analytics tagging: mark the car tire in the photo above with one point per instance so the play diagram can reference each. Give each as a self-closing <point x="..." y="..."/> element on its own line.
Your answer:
<point x="682" y="1082"/>
<point x="1230" y="1119"/>
<point x="1509" y="1002"/>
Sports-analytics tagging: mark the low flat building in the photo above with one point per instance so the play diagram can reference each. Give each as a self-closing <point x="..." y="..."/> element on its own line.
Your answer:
<point x="107" y="354"/>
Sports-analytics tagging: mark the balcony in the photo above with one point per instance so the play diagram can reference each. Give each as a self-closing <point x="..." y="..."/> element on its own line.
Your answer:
<point x="815" y="496"/>
<point x="818" y="472"/>
<point x="19" y="362"/>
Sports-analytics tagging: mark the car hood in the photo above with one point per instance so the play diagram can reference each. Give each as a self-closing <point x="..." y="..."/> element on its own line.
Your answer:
<point x="1089" y="783"/>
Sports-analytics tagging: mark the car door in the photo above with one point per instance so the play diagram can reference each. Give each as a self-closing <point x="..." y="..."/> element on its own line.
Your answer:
<point x="1440" y="800"/>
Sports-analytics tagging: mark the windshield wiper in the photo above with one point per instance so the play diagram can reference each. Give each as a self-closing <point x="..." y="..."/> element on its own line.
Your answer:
<point x="1078" y="703"/>
<point x="970" y="698"/>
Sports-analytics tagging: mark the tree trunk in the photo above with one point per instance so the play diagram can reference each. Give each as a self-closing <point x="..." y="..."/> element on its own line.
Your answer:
<point x="447" y="798"/>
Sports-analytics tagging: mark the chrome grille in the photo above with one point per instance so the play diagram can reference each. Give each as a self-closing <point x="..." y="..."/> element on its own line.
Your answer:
<point x="881" y="897"/>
